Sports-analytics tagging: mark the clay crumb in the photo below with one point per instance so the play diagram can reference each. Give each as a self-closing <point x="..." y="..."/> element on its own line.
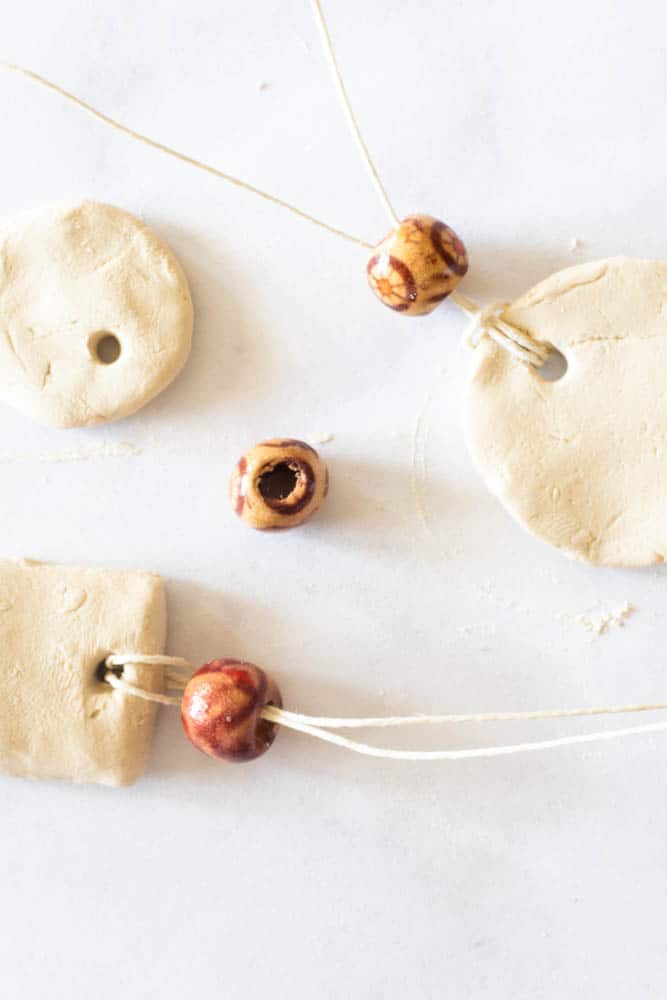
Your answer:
<point x="109" y="449"/>
<point x="599" y="624"/>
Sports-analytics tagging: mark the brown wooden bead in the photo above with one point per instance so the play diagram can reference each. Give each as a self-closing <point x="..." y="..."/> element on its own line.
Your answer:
<point x="221" y="710"/>
<point x="417" y="265"/>
<point x="278" y="484"/>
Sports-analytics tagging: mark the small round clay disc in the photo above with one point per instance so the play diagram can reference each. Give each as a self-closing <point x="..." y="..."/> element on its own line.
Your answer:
<point x="582" y="462"/>
<point x="95" y="315"/>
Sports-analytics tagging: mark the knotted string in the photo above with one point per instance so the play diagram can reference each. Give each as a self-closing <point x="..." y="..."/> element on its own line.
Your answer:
<point x="320" y="727"/>
<point x="487" y="321"/>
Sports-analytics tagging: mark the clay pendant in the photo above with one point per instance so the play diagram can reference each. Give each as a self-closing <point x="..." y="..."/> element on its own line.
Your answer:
<point x="95" y="315"/>
<point x="58" y="624"/>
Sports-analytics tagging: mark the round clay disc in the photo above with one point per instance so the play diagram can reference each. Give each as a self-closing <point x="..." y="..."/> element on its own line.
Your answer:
<point x="582" y="462"/>
<point x="95" y="315"/>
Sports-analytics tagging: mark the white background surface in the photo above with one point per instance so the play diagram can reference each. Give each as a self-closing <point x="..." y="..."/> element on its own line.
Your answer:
<point x="314" y="873"/>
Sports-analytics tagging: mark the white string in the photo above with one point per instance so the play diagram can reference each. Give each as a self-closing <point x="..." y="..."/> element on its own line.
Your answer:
<point x="349" y="113"/>
<point x="127" y="688"/>
<point x="172" y="680"/>
<point x="183" y="157"/>
<point x="275" y="715"/>
<point x="487" y="321"/>
<point x="320" y="726"/>
<point x="378" y="722"/>
<point x="147" y="660"/>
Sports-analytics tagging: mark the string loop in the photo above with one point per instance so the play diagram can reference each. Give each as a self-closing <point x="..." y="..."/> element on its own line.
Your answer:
<point x="320" y="726"/>
<point x="172" y="680"/>
<point x="487" y="321"/>
<point x="120" y="684"/>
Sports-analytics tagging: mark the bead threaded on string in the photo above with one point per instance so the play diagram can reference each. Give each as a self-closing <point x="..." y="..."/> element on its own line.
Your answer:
<point x="222" y="710"/>
<point x="417" y="266"/>
<point x="252" y="699"/>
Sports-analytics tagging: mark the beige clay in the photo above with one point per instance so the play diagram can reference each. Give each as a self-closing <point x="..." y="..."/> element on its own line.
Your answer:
<point x="582" y="462"/>
<point x="95" y="315"/>
<point x="57" y="624"/>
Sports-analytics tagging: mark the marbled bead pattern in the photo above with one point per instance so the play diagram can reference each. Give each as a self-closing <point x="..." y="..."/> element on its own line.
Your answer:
<point x="278" y="484"/>
<point x="221" y="710"/>
<point x="417" y="265"/>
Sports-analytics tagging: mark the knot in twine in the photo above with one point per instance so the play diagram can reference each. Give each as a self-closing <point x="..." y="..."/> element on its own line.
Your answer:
<point x="488" y="321"/>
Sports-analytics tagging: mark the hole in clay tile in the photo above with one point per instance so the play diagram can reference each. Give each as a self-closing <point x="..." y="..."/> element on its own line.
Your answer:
<point x="101" y="670"/>
<point x="277" y="483"/>
<point x="105" y="347"/>
<point x="554" y="367"/>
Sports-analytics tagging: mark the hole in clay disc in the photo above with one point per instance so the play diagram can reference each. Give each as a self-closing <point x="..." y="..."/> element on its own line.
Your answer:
<point x="105" y="348"/>
<point x="101" y="670"/>
<point x="277" y="483"/>
<point x="554" y="367"/>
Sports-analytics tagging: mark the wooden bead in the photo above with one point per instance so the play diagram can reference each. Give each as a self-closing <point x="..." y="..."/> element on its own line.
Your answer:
<point x="417" y="266"/>
<point x="278" y="484"/>
<point x="221" y="710"/>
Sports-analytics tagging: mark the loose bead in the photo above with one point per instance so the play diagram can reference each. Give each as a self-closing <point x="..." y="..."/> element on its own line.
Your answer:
<point x="221" y="710"/>
<point x="417" y="265"/>
<point x="278" y="484"/>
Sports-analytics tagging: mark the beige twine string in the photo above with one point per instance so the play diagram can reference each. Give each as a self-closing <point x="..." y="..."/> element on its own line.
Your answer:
<point x="183" y="157"/>
<point x="275" y="715"/>
<point x="486" y="321"/>
<point x="319" y="726"/>
<point x="117" y="661"/>
<point x="349" y="113"/>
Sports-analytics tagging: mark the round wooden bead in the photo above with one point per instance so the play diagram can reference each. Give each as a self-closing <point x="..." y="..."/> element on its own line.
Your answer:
<point x="278" y="484"/>
<point x="221" y="710"/>
<point x="417" y="265"/>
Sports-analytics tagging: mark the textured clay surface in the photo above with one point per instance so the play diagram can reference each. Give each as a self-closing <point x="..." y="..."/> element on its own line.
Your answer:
<point x="582" y="462"/>
<point x="57" y="624"/>
<point x="74" y="278"/>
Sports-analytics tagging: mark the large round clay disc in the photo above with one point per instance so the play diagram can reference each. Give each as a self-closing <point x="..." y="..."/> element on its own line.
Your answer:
<point x="582" y="462"/>
<point x="95" y="315"/>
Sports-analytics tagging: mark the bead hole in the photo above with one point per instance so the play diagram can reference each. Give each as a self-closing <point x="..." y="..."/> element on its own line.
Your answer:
<point x="105" y="347"/>
<point x="554" y="367"/>
<point x="277" y="483"/>
<point x="101" y="670"/>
